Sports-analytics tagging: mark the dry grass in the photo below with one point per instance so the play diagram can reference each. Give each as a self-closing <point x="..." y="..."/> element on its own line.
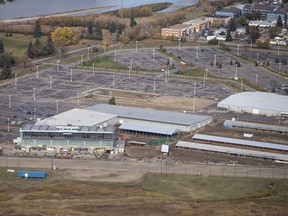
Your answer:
<point x="151" y="195"/>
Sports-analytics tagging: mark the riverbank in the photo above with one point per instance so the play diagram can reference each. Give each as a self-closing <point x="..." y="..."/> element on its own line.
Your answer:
<point x="67" y="13"/>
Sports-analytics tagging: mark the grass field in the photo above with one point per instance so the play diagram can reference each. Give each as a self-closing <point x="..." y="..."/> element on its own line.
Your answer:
<point x="153" y="194"/>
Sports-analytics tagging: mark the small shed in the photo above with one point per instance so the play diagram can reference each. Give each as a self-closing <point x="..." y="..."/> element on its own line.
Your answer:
<point x="164" y="149"/>
<point x="31" y="174"/>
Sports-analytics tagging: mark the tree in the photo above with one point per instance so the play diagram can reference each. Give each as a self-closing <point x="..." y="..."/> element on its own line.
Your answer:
<point x="50" y="46"/>
<point x="112" y="101"/>
<point x="132" y="19"/>
<point x="112" y="28"/>
<point x="6" y="71"/>
<point x="254" y="34"/>
<point x="107" y="39"/>
<point x="37" y="29"/>
<point x="279" y="22"/>
<point x="98" y="30"/>
<point x="63" y="35"/>
<point x="274" y="31"/>
<point x="232" y="25"/>
<point x="1" y="47"/>
<point x="228" y="36"/>
<point x="90" y="28"/>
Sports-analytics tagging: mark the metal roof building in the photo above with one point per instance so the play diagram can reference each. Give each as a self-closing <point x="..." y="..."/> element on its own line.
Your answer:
<point x="232" y="151"/>
<point x="80" y="117"/>
<point x="176" y="120"/>
<point x="255" y="126"/>
<point x="261" y="103"/>
<point x="240" y="142"/>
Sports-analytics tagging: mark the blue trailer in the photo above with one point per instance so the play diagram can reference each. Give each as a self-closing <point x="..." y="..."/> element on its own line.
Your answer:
<point x="31" y="174"/>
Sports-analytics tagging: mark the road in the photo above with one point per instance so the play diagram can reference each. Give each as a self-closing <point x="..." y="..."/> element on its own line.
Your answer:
<point x="87" y="169"/>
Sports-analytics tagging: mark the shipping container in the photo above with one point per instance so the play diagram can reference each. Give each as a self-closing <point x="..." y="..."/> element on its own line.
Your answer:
<point x="31" y="174"/>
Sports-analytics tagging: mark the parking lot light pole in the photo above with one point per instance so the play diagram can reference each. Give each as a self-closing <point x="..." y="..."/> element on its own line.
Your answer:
<point x="236" y="71"/>
<point x="9" y="101"/>
<point x="37" y="72"/>
<point x="194" y="88"/>
<point x="81" y="60"/>
<point x="50" y="82"/>
<point x="93" y="69"/>
<point x="241" y="88"/>
<point x="215" y="59"/>
<point x="35" y="115"/>
<point x="129" y="75"/>
<point x="8" y="129"/>
<point x="256" y="82"/>
<point x="204" y="81"/>
<point x="238" y="51"/>
<point x="206" y="73"/>
<point x="136" y="46"/>
<point x="257" y="57"/>
<point x="278" y="49"/>
<point x="34" y="94"/>
<point x="131" y="64"/>
<point x="15" y="78"/>
<point x="78" y="96"/>
<point x="153" y="54"/>
<point x="154" y="84"/>
<point x="179" y="45"/>
<point x="71" y="75"/>
<point x="88" y="53"/>
<point x="194" y="103"/>
<point x="197" y="52"/>
<point x="279" y="67"/>
<point x="113" y="81"/>
<point x="57" y="110"/>
<point x="58" y="61"/>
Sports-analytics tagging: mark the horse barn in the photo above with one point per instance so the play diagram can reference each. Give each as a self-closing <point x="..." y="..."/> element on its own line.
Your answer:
<point x="256" y="127"/>
<point x="153" y="122"/>
<point x="259" y="103"/>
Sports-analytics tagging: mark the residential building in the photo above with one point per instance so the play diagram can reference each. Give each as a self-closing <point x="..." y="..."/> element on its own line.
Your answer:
<point x="233" y="12"/>
<point x="199" y="24"/>
<point x="273" y="16"/>
<point x="177" y="31"/>
<point x="217" y="19"/>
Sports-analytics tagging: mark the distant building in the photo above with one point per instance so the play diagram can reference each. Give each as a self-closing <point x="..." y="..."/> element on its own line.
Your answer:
<point x="199" y="24"/>
<point x="233" y="12"/>
<point x="260" y="103"/>
<point x="273" y="16"/>
<point x="217" y="19"/>
<point x="177" y="31"/>
<point x="264" y="9"/>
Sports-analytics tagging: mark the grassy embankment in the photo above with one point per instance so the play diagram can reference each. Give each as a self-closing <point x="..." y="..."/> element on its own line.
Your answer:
<point x="153" y="194"/>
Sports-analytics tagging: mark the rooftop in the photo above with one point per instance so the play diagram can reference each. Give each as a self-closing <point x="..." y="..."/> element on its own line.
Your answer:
<point x="196" y="21"/>
<point x="179" y="26"/>
<point x="77" y="117"/>
<point x="150" y="114"/>
<point x="257" y="100"/>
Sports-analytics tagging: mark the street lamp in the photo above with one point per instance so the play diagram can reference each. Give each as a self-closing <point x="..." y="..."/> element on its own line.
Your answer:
<point x="206" y="73"/>
<point x="194" y="104"/>
<point x="136" y="46"/>
<point x="179" y="46"/>
<point x="215" y="59"/>
<point x="241" y="85"/>
<point x="81" y="60"/>
<point x="129" y="73"/>
<point x="153" y="54"/>
<point x="88" y="54"/>
<point x="279" y="67"/>
<point x="236" y="72"/>
<point x="113" y="81"/>
<point x="8" y="129"/>
<point x="37" y="71"/>
<point x="154" y="84"/>
<point x="204" y="81"/>
<point x="9" y="101"/>
<point x="278" y="48"/>
<point x="15" y="78"/>
<point x="71" y="75"/>
<point x="58" y="61"/>
<point x="257" y="57"/>
<point x="34" y="94"/>
<point x="57" y="110"/>
<point x="78" y="95"/>
<point x="238" y="51"/>
<point x="197" y="50"/>
<point x="131" y="64"/>
<point x="93" y="68"/>
<point x="256" y="80"/>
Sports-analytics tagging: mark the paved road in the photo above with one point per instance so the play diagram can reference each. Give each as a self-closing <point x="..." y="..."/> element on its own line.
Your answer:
<point x="164" y="167"/>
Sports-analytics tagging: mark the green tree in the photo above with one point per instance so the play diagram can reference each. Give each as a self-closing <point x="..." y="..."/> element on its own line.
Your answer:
<point x="132" y="19"/>
<point x="6" y="70"/>
<point x="30" y="53"/>
<point x="37" y="29"/>
<point x="232" y="25"/>
<point x="112" y="101"/>
<point x="228" y="36"/>
<point x="112" y="28"/>
<point x="1" y="47"/>
<point x="50" y="46"/>
<point x="90" y="28"/>
<point x="274" y="31"/>
<point x="254" y="33"/>
<point x="98" y="31"/>
<point x="279" y="22"/>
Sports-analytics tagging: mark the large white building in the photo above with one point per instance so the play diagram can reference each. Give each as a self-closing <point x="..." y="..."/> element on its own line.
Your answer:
<point x="260" y="103"/>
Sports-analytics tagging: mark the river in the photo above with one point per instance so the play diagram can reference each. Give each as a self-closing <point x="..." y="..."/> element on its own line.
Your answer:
<point x="28" y="8"/>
